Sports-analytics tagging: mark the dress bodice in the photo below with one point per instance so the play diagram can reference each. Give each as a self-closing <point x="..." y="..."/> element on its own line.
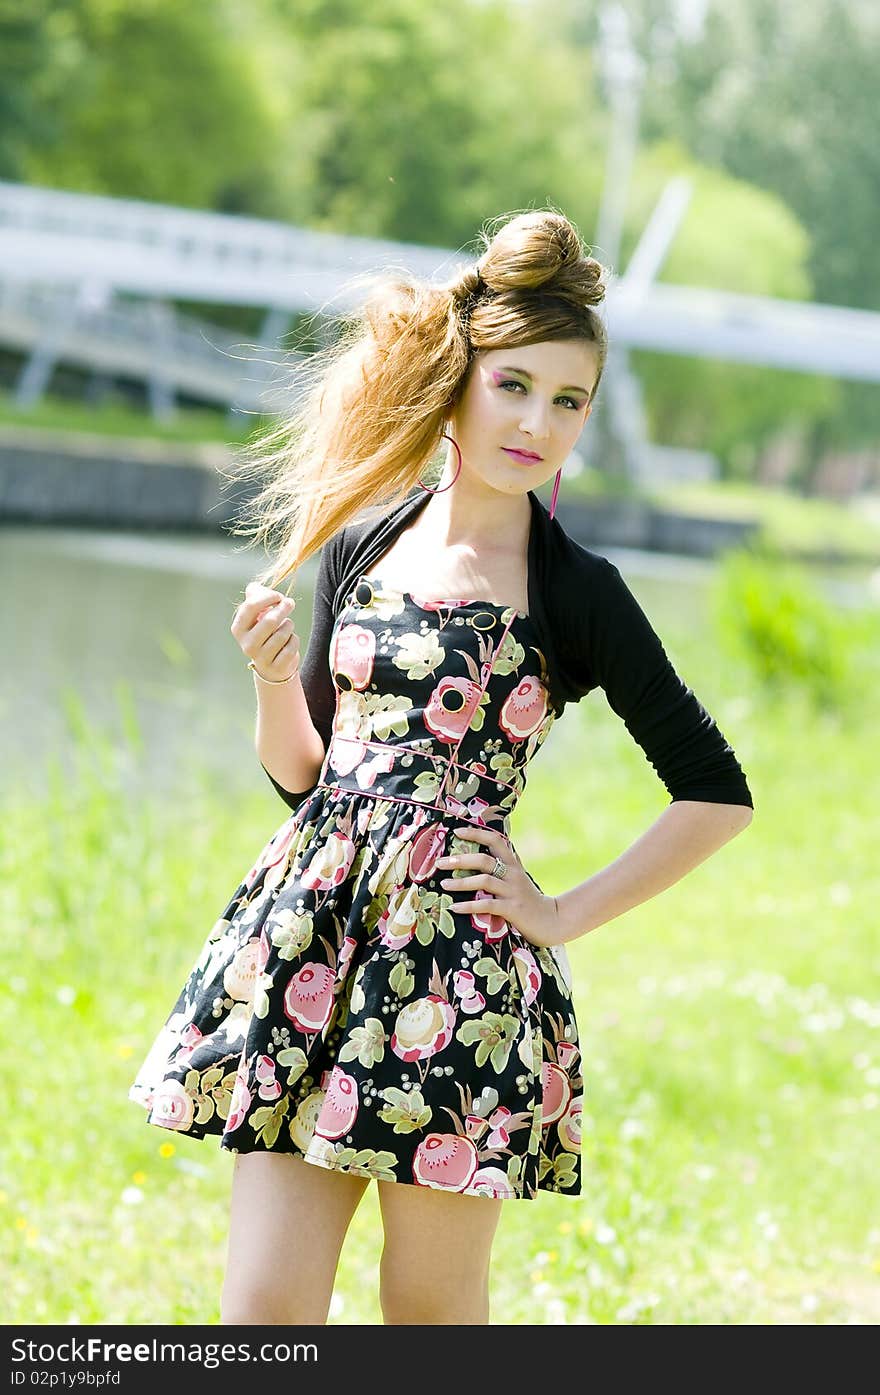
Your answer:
<point x="441" y="702"/>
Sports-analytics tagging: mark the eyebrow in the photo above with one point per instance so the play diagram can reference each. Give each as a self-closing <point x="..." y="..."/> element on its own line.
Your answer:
<point x="570" y="387"/>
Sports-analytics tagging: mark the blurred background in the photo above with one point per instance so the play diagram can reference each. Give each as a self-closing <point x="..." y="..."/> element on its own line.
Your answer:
<point x="186" y="193"/>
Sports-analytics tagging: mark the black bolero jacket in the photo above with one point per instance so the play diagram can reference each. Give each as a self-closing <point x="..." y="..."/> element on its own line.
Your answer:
<point x="594" y="635"/>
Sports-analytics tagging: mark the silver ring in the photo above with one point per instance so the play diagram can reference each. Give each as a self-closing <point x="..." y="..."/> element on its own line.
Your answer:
<point x="500" y="868"/>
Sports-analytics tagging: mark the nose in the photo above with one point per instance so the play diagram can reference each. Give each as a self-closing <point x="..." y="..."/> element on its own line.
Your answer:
<point x="535" y="420"/>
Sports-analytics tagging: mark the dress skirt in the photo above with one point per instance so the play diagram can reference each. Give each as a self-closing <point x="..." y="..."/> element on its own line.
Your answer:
<point x="341" y="1008"/>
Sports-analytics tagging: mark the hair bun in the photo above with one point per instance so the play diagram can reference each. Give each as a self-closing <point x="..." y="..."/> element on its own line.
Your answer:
<point x="542" y="250"/>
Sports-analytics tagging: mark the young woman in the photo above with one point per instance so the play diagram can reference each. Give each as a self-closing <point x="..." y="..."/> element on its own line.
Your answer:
<point x="387" y="993"/>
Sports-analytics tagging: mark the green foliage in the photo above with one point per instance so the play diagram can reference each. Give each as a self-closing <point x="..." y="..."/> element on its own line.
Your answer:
<point x="772" y="616"/>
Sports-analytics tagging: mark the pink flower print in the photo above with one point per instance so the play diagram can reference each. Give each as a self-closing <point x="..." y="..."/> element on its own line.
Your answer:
<point x="465" y="988"/>
<point x="556" y="1093"/>
<point x="308" y="998"/>
<point x="346" y="752"/>
<point x="565" y="1053"/>
<point x="380" y="764"/>
<point x="240" y="1102"/>
<point x="264" y="951"/>
<point x="524" y="709"/>
<point x="344" y="957"/>
<point x="331" y="863"/>
<point x="398" y="921"/>
<point x="491" y="1181"/>
<point x="240" y="976"/>
<point x="425" y="848"/>
<point x="446" y="1161"/>
<point x="352" y="655"/>
<point x="499" y="1137"/>
<point x="340" y="1107"/>
<point x="189" y="1038"/>
<point x="172" y="1106"/>
<point x="493" y="927"/>
<point x="569" y="1126"/>
<point x="270" y="1088"/>
<point x="419" y="818"/>
<point x="474" y="1126"/>
<point x="529" y="974"/>
<point x="451" y="706"/>
<point x="423" y="1028"/>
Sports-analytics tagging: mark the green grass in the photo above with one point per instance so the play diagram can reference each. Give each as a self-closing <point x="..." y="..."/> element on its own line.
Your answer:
<point x="115" y="418"/>
<point x="730" y="1029"/>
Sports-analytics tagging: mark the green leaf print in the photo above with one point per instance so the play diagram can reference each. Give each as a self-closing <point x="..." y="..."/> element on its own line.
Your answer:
<point x="368" y="1163"/>
<point x="366" y="1043"/>
<point x="502" y="766"/>
<point x="296" y="1059"/>
<point x="446" y="923"/>
<point x="492" y="972"/>
<point x="400" y="979"/>
<point x="509" y="655"/>
<point x="425" y="787"/>
<point x="494" y="1034"/>
<point x="407" y="1111"/>
<point x="564" y="1170"/>
<point x="269" y="1119"/>
<point x="478" y="720"/>
<point x="360" y="863"/>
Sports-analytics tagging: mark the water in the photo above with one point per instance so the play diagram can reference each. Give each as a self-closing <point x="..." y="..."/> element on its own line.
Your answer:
<point x="91" y="610"/>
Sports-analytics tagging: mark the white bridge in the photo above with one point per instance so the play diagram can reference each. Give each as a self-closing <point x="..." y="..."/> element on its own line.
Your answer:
<point x="91" y="281"/>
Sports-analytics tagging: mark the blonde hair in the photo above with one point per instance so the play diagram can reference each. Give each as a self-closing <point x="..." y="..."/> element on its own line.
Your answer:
<point x="376" y="401"/>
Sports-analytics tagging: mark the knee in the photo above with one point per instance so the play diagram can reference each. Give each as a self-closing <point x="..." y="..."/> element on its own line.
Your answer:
<point x="259" y="1305"/>
<point x="423" y="1300"/>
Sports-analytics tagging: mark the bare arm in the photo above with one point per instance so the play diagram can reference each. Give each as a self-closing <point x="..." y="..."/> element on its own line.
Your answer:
<point x="685" y="834"/>
<point x="286" y="739"/>
<point x="287" y="743"/>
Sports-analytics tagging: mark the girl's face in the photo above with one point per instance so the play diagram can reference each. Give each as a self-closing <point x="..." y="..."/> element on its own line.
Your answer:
<point x="534" y="399"/>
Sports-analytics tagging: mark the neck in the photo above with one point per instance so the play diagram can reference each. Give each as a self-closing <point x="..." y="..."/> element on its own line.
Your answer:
<point x="471" y="516"/>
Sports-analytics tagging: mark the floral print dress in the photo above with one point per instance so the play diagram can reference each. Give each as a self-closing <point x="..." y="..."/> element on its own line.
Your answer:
<point x="341" y="1008"/>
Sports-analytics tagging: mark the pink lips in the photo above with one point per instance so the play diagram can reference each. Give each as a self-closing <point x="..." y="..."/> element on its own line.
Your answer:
<point x="525" y="456"/>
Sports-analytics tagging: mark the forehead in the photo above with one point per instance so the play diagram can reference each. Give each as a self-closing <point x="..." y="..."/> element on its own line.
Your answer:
<point x="550" y="362"/>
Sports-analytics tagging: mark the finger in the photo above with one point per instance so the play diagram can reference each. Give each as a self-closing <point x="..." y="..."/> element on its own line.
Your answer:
<point x="274" y="645"/>
<point x="476" y="835"/>
<point x="273" y="618"/>
<point x="487" y="905"/>
<point x="497" y="885"/>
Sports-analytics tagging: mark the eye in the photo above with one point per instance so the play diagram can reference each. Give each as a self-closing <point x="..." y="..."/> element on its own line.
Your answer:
<point x="511" y="382"/>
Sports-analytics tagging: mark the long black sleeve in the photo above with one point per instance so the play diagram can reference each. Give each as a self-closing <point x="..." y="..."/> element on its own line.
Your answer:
<point x="679" y="737"/>
<point x="314" y="670"/>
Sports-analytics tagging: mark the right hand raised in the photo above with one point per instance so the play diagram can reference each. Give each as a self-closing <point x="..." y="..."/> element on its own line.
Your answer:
<point x="263" y="631"/>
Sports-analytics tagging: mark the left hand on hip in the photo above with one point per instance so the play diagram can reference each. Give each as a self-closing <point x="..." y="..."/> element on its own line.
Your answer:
<point x="514" y="897"/>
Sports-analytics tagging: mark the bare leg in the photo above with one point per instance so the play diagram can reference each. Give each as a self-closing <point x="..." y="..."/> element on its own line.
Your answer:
<point x="435" y="1261"/>
<point x="288" y="1221"/>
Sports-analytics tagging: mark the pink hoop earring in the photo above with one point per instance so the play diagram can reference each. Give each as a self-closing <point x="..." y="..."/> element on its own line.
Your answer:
<point x="555" y="492"/>
<point x="427" y="489"/>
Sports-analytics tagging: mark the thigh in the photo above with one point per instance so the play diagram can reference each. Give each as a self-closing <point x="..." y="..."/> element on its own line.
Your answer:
<point x="436" y="1256"/>
<point x="288" y="1220"/>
